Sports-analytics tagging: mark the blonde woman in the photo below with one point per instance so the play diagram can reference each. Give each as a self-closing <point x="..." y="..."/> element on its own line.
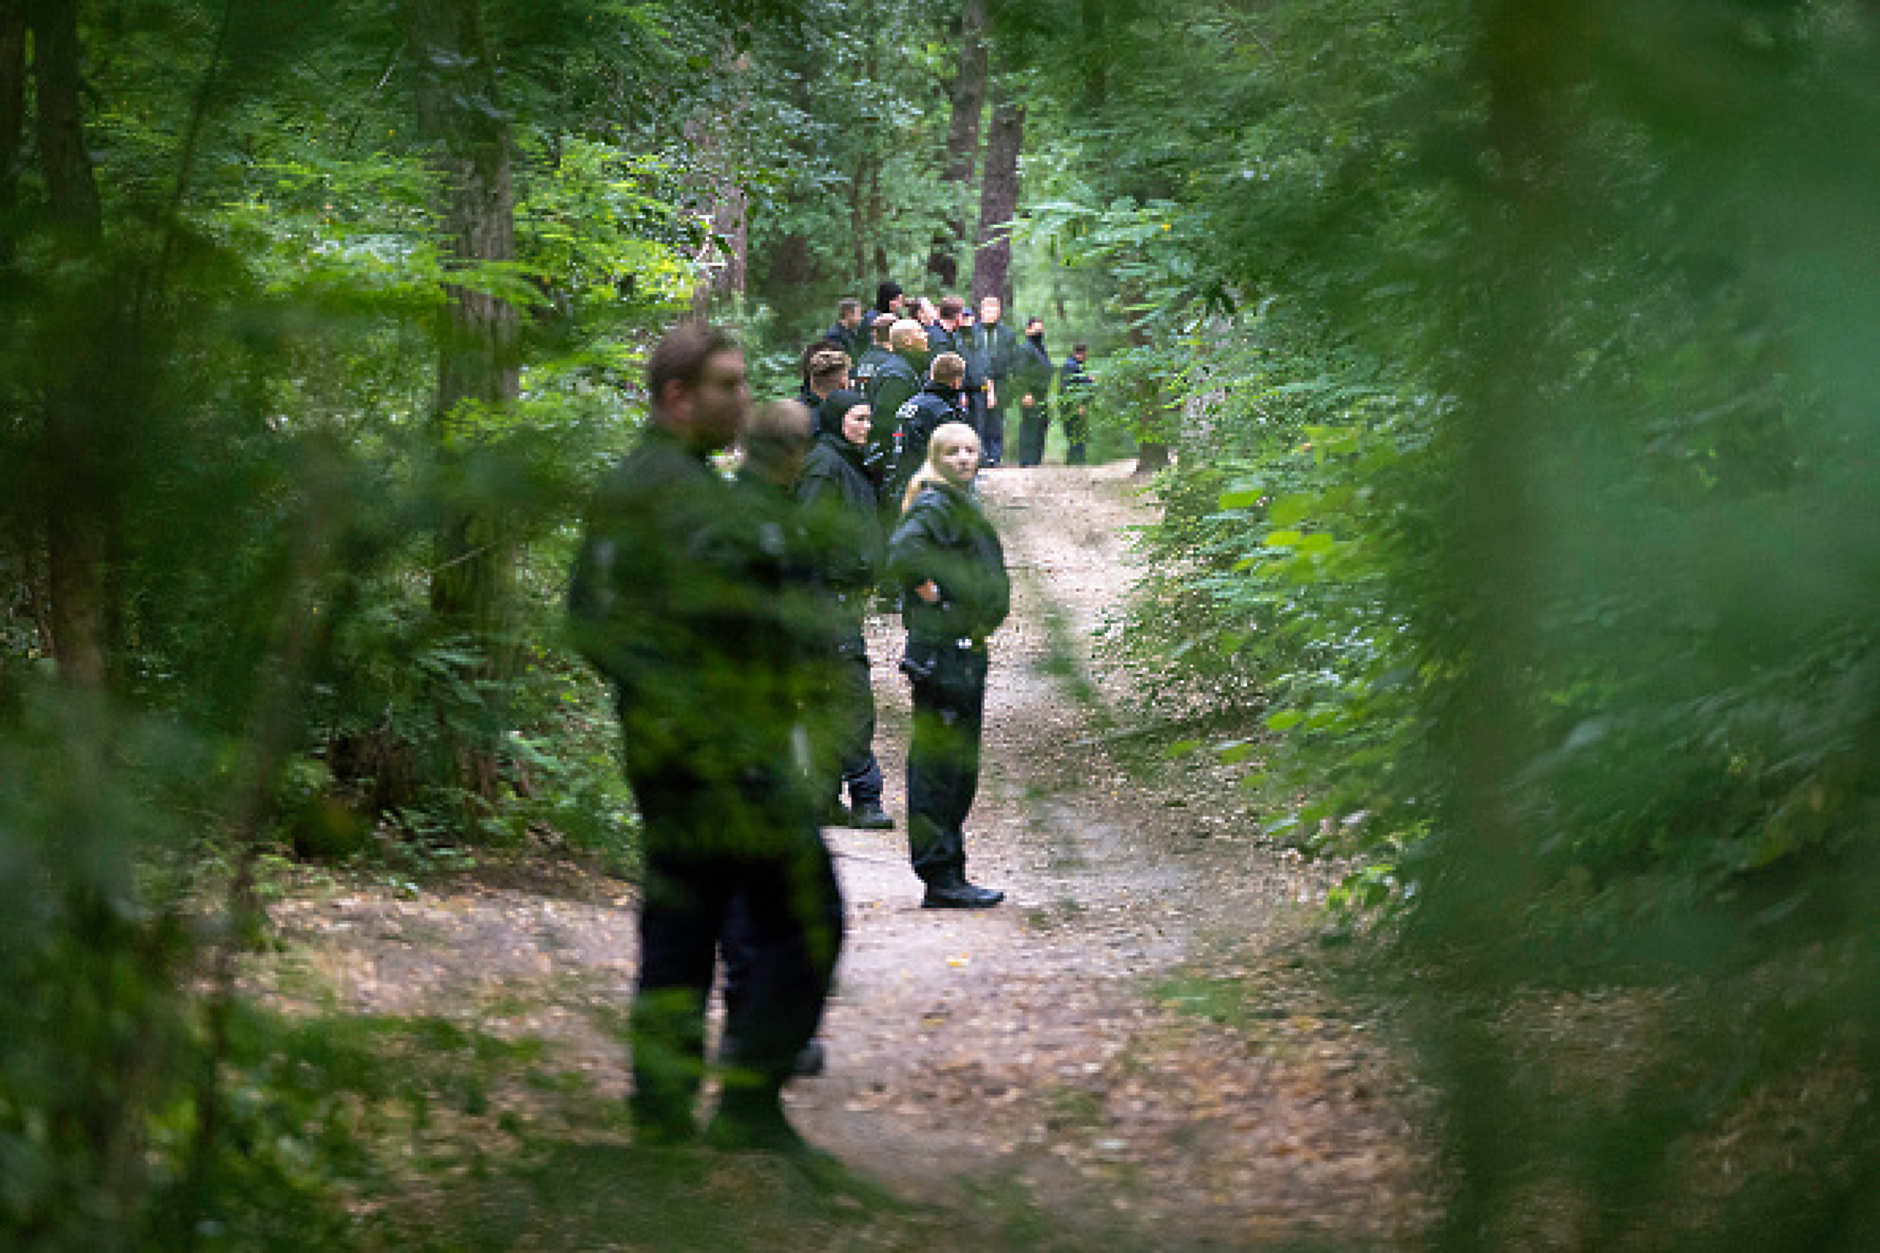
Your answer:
<point x="946" y="559"/>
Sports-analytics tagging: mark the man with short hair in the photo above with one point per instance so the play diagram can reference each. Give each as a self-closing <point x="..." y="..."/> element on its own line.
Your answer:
<point x="681" y="599"/>
<point x="944" y="335"/>
<point x="825" y="371"/>
<point x="895" y="382"/>
<point x="940" y="401"/>
<point x="876" y="353"/>
<point x="846" y="333"/>
<point x="996" y="348"/>
<point x="1031" y="378"/>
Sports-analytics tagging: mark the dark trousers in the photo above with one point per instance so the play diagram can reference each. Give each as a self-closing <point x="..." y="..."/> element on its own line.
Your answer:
<point x="850" y="753"/>
<point x="943" y="761"/>
<point x="1076" y="435"/>
<point x="992" y="437"/>
<point x="715" y="852"/>
<point x="1032" y="425"/>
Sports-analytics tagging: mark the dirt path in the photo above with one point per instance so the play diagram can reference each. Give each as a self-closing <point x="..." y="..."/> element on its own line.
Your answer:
<point x="1134" y="1050"/>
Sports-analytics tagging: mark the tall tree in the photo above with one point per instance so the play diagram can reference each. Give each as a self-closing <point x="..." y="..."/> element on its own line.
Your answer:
<point x="998" y="194"/>
<point x="724" y="256"/>
<point x="77" y="514"/>
<point x="12" y="115"/>
<point x="459" y="109"/>
<point x="969" y="104"/>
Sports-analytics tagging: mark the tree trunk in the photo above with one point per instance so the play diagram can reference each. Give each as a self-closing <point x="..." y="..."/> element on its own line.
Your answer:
<point x="477" y="368"/>
<point x="76" y="416"/>
<point x="723" y="260"/>
<point x="998" y="199"/>
<point x="969" y="102"/>
<point x="12" y="117"/>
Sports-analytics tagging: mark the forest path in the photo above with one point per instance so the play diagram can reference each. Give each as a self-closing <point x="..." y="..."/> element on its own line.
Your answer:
<point x="1134" y="1051"/>
<point x="1039" y="1054"/>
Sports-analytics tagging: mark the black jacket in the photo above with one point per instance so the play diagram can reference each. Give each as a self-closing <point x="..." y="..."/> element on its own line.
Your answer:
<point x="1074" y="382"/>
<point x="1031" y="371"/>
<point x="893" y="384"/>
<point x="999" y="346"/>
<point x="947" y="539"/>
<point x="843" y="338"/>
<point x="844" y="519"/>
<point x="866" y="366"/>
<point x="940" y="339"/>
<point x="914" y="425"/>
<point x="687" y="594"/>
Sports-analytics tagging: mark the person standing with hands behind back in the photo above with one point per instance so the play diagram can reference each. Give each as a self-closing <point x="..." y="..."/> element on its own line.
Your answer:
<point x="946" y="559"/>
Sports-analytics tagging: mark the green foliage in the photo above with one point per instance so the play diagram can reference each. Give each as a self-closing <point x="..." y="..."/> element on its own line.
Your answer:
<point x="1520" y="519"/>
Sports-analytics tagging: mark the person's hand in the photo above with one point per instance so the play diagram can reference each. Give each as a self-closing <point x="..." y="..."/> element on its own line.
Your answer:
<point x="992" y="395"/>
<point x="929" y="592"/>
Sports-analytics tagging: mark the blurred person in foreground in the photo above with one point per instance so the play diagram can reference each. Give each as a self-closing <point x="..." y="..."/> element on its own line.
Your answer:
<point x="947" y="561"/>
<point x="684" y="596"/>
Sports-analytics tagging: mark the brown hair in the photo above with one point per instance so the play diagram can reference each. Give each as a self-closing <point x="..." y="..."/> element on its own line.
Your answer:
<point x="776" y="432"/>
<point x="681" y="354"/>
<point x="826" y="363"/>
<point x="951" y="307"/>
<point x="950" y="365"/>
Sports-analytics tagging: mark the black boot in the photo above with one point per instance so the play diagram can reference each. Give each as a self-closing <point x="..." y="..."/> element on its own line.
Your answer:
<point x="962" y="895"/>
<point x="870" y="816"/>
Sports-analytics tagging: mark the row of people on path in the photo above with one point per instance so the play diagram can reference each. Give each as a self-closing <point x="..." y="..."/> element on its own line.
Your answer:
<point x="728" y="616"/>
<point x="895" y="346"/>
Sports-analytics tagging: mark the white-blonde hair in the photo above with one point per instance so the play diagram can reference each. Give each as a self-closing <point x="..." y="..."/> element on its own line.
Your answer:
<point x="929" y="472"/>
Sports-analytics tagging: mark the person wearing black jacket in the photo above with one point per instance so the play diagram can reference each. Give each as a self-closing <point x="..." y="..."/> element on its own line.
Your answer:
<point x="946" y="558"/>
<point x="1074" y="388"/>
<point x="846" y="334"/>
<point x="939" y="402"/>
<point x="944" y="335"/>
<point x="889" y="300"/>
<point x="684" y="597"/>
<point x="1031" y="373"/>
<point x="843" y="515"/>
<point x="995" y="348"/>
<point x="894" y="382"/>
<point x="875" y="352"/>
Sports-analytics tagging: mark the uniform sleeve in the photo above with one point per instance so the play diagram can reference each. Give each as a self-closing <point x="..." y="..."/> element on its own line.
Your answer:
<point x="913" y="548"/>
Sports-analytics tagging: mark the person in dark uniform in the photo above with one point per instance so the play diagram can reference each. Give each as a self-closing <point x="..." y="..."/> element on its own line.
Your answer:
<point x="996" y="350"/>
<point x="847" y="333"/>
<point x="876" y="352"/>
<point x="683" y="596"/>
<point x="1032" y="378"/>
<point x="843" y="514"/>
<point x="944" y="334"/>
<point x="1074" y="388"/>
<point x="896" y="381"/>
<point x="946" y="558"/>
<point x="889" y="300"/>
<point x="939" y="402"/>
